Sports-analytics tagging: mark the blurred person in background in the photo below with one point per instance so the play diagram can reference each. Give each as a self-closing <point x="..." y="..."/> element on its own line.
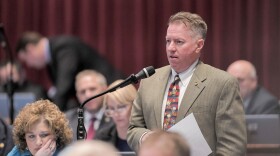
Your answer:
<point x="118" y="106"/>
<point x="64" y="56"/>
<point x="40" y="129"/>
<point x="89" y="83"/>
<point x="20" y="83"/>
<point x="256" y="99"/>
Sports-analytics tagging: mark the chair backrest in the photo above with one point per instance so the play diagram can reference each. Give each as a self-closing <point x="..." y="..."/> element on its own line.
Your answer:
<point x="20" y="100"/>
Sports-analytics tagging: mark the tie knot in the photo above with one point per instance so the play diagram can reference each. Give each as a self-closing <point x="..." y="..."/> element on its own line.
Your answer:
<point x="176" y="79"/>
<point x="93" y="119"/>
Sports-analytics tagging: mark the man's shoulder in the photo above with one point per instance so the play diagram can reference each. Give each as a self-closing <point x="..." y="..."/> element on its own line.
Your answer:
<point x="205" y="70"/>
<point x="264" y="94"/>
<point x="162" y="71"/>
<point x="68" y="43"/>
<point x="212" y="69"/>
<point x="16" y="152"/>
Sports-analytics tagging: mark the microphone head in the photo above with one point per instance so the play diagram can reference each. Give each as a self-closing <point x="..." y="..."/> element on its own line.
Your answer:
<point x="150" y="71"/>
<point x="145" y="73"/>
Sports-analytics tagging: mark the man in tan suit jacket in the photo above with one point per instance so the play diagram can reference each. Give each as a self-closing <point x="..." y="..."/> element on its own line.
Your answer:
<point x="210" y="94"/>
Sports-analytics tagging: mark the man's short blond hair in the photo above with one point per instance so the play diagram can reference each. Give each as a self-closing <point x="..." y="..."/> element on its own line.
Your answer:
<point x="192" y="21"/>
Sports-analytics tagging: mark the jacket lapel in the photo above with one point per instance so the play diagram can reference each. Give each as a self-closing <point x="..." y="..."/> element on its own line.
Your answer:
<point x="160" y="85"/>
<point x="193" y="90"/>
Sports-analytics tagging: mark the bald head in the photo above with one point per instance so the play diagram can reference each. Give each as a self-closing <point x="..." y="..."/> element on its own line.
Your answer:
<point x="246" y="75"/>
<point x="157" y="143"/>
<point x="244" y="67"/>
<point x="89" y="148"/>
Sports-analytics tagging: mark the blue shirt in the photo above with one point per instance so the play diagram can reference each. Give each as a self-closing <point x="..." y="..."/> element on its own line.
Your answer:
<point x="16" y="152"/>
<point x="122" y="145"/>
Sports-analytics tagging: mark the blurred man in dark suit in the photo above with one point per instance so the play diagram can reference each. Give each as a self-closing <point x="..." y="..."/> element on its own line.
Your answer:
<point x="89" y="83"/>
<point x="64" y="57"/>
<point x="256" y="99"/>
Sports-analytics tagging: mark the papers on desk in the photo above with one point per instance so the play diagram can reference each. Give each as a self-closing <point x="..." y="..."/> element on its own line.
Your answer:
<point x="188" y="128"/>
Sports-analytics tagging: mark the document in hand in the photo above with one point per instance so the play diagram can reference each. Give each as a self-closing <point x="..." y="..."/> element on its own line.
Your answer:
<point x="193" y="135"/>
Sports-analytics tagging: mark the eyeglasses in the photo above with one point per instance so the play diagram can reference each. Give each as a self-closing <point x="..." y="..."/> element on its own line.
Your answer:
<point x="119" y="109"/>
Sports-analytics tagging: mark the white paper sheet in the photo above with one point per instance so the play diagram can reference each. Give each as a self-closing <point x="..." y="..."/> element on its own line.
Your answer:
<point x="188" y="128"/>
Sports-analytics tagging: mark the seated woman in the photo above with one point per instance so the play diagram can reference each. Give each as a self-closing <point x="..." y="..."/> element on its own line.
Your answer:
<point x="118" y="106"/>
<point x="40" y="129"/>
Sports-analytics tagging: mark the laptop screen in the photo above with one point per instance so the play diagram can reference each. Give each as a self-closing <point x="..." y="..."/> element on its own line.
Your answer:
<point x="263" y="129"/>
<point x="20" y="100"/>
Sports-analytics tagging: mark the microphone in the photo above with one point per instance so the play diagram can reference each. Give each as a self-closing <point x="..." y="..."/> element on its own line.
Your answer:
<point x="81" y="130"/>
<point x="144" y="73"/>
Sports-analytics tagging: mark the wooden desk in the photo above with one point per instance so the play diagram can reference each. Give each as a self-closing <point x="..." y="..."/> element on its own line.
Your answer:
<point x="263" y="149"/>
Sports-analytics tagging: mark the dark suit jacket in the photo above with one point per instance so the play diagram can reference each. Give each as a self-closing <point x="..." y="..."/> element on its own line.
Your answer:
<point x="6" y="138"/>
<point x="110" y="134"/>
<point x="72" y="116"/>
<point x="69" y="56"/>
<point x="212" y="96"/>
<point x="262" y="102"/>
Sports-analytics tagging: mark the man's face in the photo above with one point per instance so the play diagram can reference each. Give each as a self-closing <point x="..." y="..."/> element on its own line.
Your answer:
<point x="33" y="56"/>
<point x="86" y="87"/>
<point x="182" y="47"/>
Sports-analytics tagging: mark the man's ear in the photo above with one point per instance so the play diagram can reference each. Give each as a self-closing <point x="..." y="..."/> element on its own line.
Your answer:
<point x="200" y="44"/>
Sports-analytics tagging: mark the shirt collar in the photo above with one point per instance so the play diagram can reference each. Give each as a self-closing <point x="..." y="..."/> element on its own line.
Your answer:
<point x="185" y="74"/>
<point x="98" y="115"/>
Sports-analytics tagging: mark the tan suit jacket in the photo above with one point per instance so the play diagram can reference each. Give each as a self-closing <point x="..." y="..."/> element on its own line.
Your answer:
<point x="212" y="96"/>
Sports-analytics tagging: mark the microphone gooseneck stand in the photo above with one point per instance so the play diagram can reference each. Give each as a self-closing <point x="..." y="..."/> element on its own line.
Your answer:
<point x="10" y="84"/>
<point x="146" y="72"/>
